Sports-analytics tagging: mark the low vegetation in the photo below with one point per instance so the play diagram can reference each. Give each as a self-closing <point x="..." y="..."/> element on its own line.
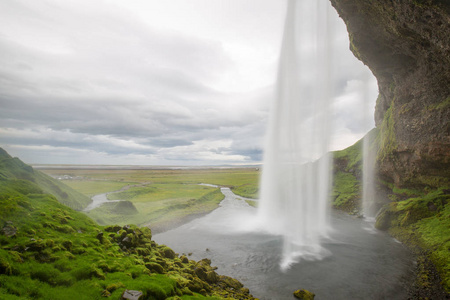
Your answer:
<point x="50" y="251"/>
<point x="347" y="173"/>
<point x="14" y="168"/>
<point x="161" y="198"/>
<point x="422" y="221"/>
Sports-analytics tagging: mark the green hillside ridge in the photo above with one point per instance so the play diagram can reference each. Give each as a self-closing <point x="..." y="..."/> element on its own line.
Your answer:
<point x="14" y="168"/>
<point x="50" y="251"/>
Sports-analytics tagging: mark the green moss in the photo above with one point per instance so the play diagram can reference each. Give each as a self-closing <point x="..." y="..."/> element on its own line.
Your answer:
<point x="422" y="221"/>
<point x="352" y="156"/>
<point x="386" y="139"/>
<point x="346" y="191"/>
<point x="444" y="104"/>
<point x="353" y="47"/>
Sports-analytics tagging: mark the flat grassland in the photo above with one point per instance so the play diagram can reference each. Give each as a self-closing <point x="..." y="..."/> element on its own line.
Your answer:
<point x="158" y="198"/>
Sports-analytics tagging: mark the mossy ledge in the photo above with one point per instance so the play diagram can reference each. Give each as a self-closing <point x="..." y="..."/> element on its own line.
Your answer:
<point x="50" y="251"/>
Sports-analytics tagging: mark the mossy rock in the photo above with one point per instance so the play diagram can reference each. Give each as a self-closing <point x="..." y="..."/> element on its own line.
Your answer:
<point x="230" y="282"/>
<point x="168" y="253"/>
<point x="155" y="268"/>
<point x="112" y="228"/>
<point x="5" y="267"/>
<point x="304" y="294"/>
<point x="195" y="285"/>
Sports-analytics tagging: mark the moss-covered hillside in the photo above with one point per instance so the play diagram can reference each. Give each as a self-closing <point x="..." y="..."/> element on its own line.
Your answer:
<point x="14" y="168"/>
<point x="50" y="251"/>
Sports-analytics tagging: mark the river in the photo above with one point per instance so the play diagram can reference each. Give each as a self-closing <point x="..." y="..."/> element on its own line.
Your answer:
<point x="363" y="263"/>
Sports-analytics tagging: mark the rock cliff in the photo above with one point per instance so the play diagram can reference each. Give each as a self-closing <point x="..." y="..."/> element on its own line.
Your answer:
<point x="406" y="44"/>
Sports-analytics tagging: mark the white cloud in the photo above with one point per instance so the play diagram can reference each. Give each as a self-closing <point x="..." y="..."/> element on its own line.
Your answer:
<point x="150" y="82"/>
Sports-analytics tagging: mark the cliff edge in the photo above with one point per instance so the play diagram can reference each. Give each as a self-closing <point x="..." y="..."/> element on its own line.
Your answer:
<point x="406" y="44"/>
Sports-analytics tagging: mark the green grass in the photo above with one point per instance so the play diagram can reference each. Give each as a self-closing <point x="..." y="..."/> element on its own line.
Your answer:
<point x="229" y="177"/>
<point x="423" y="221"/>
<point x="49" y="251"/>
<point x="91" y="188"/>
<point x="14" y="168"/>
<point x="159" y="213"/>
<point x="249" y="190"/>
<point x="351" y="156"/>
<point x="346" y="191"/>
<point x="161" y="197"/>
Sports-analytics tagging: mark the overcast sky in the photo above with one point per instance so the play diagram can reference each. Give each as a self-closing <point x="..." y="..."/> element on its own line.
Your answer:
<point x="151" y="82"/>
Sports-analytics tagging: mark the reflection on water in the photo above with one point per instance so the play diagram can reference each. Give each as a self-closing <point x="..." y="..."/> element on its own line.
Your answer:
<point x="361" y="265"/>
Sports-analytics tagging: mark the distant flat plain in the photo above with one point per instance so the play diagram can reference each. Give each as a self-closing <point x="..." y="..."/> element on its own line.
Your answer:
<point x="158" y="197"/>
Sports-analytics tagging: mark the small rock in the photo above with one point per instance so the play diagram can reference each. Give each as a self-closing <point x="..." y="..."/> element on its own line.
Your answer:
<point x="9" y="231"/>
<point x="132" y="295"/>
<point x="304" y="294"/>
<point x="126" y="241"/>
<point x="100" y="236"/>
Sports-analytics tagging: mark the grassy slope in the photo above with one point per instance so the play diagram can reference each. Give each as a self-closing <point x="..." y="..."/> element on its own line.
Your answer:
<point x="49" y="251"/>
<point x="347" y="171"/>
<point x="14" y="168"/>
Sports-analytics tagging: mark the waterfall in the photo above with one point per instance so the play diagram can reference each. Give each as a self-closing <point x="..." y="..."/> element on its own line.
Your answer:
<point x="368" y="198"/>
<point x="296" y="173"/>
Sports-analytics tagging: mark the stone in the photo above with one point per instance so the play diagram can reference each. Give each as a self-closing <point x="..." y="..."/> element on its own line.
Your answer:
<point x="304" y="294"/>
<point x="132" y="295"/>
<point x="100" y="236"/>
<point x="9" y="231"/>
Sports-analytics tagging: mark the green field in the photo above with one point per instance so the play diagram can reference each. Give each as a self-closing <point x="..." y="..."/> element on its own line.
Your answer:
<point x="161" y="198"/>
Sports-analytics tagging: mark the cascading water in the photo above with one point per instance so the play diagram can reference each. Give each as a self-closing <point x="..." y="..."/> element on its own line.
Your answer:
<point x="295" y="182"/>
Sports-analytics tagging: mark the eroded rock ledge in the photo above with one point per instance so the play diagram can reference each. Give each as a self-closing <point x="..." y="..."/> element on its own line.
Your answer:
<point x="406" y="44"/>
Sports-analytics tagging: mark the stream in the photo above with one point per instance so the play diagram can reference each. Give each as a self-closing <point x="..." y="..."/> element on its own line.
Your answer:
<point x="363" y="263"/>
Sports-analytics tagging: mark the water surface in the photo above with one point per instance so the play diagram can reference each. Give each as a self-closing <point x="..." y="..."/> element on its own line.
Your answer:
<point x="363" y="263"/>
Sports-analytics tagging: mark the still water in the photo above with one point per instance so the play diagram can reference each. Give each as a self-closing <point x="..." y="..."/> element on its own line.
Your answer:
<point x="362" y="263"/>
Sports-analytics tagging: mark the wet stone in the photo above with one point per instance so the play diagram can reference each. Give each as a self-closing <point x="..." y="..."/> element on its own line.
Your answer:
<point x="132" y="295"/>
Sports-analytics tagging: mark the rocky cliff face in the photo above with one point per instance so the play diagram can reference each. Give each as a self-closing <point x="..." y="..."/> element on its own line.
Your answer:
<point x="406" y="44"/>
